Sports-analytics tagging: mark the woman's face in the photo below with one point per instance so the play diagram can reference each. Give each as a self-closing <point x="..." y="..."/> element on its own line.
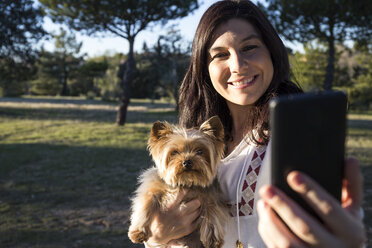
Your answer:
<point x="240" y="65"/>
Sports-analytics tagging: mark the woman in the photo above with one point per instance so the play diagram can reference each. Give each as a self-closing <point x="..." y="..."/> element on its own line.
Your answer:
<point x="238" y="64"/>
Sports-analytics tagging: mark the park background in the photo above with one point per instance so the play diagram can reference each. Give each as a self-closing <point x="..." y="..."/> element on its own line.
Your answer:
<point x="77" y="103"/>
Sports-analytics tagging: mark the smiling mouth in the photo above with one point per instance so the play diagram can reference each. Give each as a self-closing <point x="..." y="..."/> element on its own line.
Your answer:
<point x="243" y="83"/>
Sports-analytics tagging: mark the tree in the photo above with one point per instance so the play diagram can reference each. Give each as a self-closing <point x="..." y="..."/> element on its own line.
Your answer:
<point x="125" y="18"/>
<point x="47" y="80"/>
<point x="21" y="25"/>
<point x="57" y="67"/>
<point x="171" y="48"/>
<point x="66" y="55"/>
<point x="308" y="67"/>
<point x="360" y="96"/>
<point x="85" y="81"/>
<point x="329" y="21"/>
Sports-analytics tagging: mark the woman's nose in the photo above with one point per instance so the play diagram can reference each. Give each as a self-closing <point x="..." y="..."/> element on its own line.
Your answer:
<point x="236" y="62"/>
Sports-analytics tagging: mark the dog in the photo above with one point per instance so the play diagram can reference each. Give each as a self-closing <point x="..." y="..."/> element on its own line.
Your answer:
<point x="185" y="159"/>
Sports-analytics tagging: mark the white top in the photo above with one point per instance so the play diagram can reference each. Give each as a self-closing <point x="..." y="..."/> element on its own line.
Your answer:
<point x="248" y="165"/>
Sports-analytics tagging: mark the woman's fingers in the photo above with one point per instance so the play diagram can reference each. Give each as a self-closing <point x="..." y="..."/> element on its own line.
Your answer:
<point x="176" y="220"/>
<point x="352" y="192"/>
<point x="303" y="225"/>
<point x="273" y="230"/>
<point x="342" y="224"/>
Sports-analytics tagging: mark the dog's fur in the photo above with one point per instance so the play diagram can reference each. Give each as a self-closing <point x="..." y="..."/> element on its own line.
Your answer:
<point x="184" y="159"/>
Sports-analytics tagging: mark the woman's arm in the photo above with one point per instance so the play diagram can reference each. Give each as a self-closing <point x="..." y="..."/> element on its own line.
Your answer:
<point x="343" y="226"/>
<point x="178" y="220"/>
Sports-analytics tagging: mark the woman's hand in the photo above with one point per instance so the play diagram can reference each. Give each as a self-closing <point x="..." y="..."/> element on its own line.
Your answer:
<point x="343" y="226"/>
<point x="178" y="220"/>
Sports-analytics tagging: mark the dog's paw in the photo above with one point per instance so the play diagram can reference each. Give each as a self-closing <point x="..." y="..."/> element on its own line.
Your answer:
<point x="136" y="236"/>
<point x="218" y="244"/>
<point x="213" y="244"/>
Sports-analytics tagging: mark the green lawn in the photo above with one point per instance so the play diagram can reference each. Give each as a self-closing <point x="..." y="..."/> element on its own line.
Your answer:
<point x="67" y="172"/>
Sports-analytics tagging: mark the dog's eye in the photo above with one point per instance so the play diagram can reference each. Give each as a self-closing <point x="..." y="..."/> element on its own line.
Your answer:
<point x="175" y="152"/>
<point x="199" y="152"/>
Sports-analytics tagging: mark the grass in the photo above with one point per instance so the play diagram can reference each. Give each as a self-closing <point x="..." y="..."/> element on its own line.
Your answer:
<point x="67" y="172"/>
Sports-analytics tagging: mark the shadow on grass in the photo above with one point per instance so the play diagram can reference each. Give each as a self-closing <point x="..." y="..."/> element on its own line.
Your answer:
<point x="67" y="196"/>
<point x="72" y="114"/>
<point x="58" y="239"/>
<point x="81" y="101"/>
<point x="144" y="112"/>
<point x="365" y="124"/>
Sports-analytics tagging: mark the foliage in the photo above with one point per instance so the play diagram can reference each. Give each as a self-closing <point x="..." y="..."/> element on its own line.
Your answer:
<point x="56" y="68"/>
<point x="125" y="19"/>
<point x="353" y="71"/>
<point x="20" y="28"/>
<point x="308" y="67"/>
<point x="21" y="25"/>
<point x="109" y="84"/>
<point x="47" y="81"/>
<point x="86" y="76"/>
<point x="329" y="21"/>
<point x="162" y="67"/>
<point x="14" y="76"/>
<point x="360" y="96"/>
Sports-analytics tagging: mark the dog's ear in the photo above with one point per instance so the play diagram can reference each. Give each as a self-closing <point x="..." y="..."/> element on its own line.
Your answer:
<point x="213" y="127"/>
<point x="160" y="129"/>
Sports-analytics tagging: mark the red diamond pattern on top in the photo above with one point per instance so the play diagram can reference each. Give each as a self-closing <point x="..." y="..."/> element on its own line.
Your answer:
<point x="249" y="184"/>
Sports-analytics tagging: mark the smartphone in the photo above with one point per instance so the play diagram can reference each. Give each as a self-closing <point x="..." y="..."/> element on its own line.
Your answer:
<point x="308" y="134"/>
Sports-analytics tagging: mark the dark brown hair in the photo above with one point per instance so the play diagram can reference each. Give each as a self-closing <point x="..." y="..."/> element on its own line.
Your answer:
<point x="199" y="100"/>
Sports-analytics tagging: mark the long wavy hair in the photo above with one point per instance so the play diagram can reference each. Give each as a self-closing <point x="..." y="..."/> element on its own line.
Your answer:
<point x="199" y="100"/>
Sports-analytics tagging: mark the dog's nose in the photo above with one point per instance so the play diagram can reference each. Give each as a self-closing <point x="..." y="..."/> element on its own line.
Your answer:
<point x="187" y="164"/>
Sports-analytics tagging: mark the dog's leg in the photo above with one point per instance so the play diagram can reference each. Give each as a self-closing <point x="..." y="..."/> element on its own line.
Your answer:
<point x="212" y="229"/>
<point x="139" y="228"/>
<point x="145" y="204"/>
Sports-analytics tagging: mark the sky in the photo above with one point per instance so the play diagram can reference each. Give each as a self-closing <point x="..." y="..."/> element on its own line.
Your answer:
<point x="96" y="46"/>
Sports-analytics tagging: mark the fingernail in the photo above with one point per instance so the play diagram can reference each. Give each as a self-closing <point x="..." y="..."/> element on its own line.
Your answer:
<point x="298" y="178"/>
<point x="270" y="192"/>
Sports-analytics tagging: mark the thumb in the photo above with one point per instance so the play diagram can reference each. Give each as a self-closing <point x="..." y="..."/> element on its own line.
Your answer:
<point x="352" y="191"/>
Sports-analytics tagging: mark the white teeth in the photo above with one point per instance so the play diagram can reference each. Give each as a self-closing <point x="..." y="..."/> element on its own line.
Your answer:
<point x="247" y="81"/>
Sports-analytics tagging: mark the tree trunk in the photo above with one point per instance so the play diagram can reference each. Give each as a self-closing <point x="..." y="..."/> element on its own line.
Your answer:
<point x="64" y="77"/>
<point x="126" y="85"/>
<point x="331" y="60"/>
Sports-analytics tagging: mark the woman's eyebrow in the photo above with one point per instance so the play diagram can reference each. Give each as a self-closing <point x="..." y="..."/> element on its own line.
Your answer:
<point x="249" y="37"/>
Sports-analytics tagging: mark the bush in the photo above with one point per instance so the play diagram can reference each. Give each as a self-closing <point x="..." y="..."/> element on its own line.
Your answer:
<point x="45" y="86"/>
<point x="13" y="88"/>
<point x="360" y="97"/>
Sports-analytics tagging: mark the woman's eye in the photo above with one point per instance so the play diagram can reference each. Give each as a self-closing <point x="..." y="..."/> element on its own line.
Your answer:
<point x="219" y="55"/>
<point x="249" y="48"/>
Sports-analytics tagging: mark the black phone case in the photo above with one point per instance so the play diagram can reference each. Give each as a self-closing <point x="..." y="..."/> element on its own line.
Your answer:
<point x="308" y="134"/>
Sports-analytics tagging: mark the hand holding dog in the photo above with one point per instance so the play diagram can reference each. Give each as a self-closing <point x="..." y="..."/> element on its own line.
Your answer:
<point x="343" y="223"/>
<point x="178" y="220"/>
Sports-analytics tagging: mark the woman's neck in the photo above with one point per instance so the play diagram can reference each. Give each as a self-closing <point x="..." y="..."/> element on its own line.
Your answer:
<point x="239" y="120"/>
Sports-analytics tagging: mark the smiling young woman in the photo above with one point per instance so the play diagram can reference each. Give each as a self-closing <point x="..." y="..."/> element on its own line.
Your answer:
<point x="238" y="65"/>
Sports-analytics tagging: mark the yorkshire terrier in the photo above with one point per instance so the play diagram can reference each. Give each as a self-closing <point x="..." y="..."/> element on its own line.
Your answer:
<point x="184" y="159"/>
